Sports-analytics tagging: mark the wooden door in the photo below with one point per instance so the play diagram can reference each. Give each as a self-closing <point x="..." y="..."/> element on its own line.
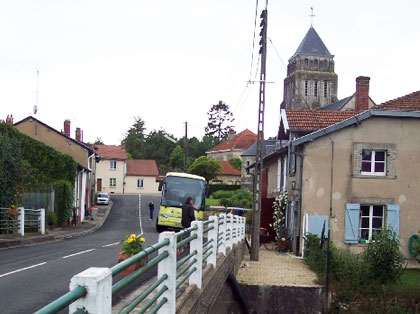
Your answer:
<point x="99" y="184"/>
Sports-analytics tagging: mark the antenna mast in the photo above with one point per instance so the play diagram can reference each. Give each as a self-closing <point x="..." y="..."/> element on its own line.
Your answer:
<point x="37" y="86"/>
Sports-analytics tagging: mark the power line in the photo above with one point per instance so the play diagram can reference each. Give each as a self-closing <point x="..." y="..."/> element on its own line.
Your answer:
<point x="253" y="40"/>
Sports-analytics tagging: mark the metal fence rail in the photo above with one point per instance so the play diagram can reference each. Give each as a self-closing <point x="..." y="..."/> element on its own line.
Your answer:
<point x="25" y="219"/>
<point x="91" y="290"/>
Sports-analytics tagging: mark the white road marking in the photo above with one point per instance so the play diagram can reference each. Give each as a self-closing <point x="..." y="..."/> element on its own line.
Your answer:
<point x="112" y="244"/>
<point x="78" y="253"/>
<point x="22" y="269"/>
<point x="141" y="228"/>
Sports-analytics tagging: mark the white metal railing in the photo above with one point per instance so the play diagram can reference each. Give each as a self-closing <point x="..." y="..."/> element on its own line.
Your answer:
<point x="221" y="233"/>
<point x="26" y="218"/>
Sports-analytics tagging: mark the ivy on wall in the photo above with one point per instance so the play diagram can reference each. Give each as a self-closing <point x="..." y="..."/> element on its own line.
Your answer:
<point x="29" y="165"/>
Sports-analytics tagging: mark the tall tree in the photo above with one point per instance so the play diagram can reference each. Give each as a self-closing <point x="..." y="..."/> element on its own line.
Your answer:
<point x="98" y="141"/>
<point x="134" y="139"/>
<point x="220" y="121"/>
<point x="177" y="158"/>
<point x="158" y="148"/>
<point x="205" y="167"/>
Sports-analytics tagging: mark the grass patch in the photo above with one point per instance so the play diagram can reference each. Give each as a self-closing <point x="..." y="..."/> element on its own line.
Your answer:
<point x="212" y="202"/>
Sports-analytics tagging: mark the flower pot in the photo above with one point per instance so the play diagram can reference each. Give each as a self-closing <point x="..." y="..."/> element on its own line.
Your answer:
<point x="122" y="257"/>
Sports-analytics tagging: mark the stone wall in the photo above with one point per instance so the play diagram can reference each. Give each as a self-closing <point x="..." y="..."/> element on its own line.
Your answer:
<point x="201" y="301"/>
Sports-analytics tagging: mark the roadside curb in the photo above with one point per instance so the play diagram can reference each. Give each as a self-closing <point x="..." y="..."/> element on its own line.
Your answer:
<point x="24" y="242"/>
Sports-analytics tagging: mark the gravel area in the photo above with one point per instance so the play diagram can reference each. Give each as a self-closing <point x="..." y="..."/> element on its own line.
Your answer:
<point x="275" y="269"/>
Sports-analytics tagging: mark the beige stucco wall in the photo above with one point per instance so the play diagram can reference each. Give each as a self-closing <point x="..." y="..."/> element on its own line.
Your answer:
<point x="104" y="172"/>
<point x="403" y="189"/>
<point x="150" y="186"/>
<point x="225" y="156"/>
<point x="227" y="179"/>
<point x="53" y="139"/>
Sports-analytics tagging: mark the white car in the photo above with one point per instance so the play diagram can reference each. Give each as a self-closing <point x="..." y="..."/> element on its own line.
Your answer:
<point x="102" y="199"/>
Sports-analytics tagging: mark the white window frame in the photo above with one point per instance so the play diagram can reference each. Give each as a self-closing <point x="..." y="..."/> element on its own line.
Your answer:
<point x="370" y="228"/>
<point x="142" y="183"/>
<point x="112" y="165"/>
<point x="112" y="182"/>
<point x="284" y="187"/>
<point x="372" y="163"/>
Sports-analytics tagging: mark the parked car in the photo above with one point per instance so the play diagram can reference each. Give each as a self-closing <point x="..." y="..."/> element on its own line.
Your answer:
<point x="102" y="199"/>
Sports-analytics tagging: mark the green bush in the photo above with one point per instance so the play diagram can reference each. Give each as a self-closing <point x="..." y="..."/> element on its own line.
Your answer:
<point x="248" y="217"/>
<point x="222" y="194"/>
<point x="383" y="257"/>
<point x="226" y="187"/>
<point x="51" y="218"/>
<point x="240" y="198"/>
<point x="63" y="201"/>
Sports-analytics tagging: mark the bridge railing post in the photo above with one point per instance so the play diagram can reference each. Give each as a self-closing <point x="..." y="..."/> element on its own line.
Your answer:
<point x="229" y="231"/>
<point x="21" y="219"/>
<point x="41" y="218"/>
<point x="243" y="225"/>
<point x="197" y="245"/>
<point x="213" y="236"/>
<point x="222" y="232"/>
<point x="98" y="283"/>
<point x="168" y="267"/>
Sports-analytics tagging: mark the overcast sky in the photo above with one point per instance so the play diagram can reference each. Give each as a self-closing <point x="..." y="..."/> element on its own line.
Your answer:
<point x="103" y="62"/>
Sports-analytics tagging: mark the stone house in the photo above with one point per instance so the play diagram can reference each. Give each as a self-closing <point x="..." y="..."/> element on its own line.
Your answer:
<point x="227" y="175"/>
<point x="84" y="155"/>
<point x="142" y="177"/>
<point x="111" y="168"/>
<point x="233" y="147"/>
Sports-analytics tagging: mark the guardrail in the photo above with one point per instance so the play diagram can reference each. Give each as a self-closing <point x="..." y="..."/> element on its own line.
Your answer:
<point x="24" y="219"/>
<point x="91" y="290"/>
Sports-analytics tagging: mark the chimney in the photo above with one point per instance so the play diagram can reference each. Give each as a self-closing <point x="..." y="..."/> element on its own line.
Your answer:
<point x="231" y="135"/>
<point x="362" y="93"/>
<point x="67" y="128"/>
<point x="78" y="134"/>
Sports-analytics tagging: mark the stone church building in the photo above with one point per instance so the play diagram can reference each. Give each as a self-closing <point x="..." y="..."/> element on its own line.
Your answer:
<point x="311" y="81"/>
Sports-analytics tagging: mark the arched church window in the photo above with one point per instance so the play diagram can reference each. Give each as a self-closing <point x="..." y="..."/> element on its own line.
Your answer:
<point x="316" y="63"/>
<point x="306" y="62"/>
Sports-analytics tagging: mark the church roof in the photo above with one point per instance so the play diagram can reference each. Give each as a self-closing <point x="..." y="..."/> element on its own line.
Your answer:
<point x="312" y="45"/>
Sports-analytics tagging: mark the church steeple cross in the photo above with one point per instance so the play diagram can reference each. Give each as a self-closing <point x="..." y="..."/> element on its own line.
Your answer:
<point x="312" y="16"/>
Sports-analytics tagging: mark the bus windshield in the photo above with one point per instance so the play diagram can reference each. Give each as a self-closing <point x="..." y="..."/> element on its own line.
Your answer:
<point x="177" y="190"/>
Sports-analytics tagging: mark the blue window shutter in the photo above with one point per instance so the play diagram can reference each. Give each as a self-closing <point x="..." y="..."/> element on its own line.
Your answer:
<point x="351" y="234"/>
<point x="393" y="218"/>
<point x="316" y="223"/>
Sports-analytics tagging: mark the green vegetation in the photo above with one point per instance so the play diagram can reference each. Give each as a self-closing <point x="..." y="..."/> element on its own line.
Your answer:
<point x="236" y="163"/>
<point x="371" y="282"/>
<point x="29" y="165"/>
<point x="224" y="187"/>
<point x="220" y="121"/>
<point x="237" y="198"/>
<point x="212" y="202"/>
<point x="205" y="167"/>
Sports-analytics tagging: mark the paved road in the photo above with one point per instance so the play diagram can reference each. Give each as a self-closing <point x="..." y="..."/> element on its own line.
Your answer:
<point x="33" y="276"/>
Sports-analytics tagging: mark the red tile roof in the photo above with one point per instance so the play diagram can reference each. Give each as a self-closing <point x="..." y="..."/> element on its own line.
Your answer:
<point x="310" y="120"/>
<point x="242" y="140"/>
<point x="142" y="167"/>
<point x="228" y="169"/>
<point x="410" y="102"/>
<point x="111" y="151"/>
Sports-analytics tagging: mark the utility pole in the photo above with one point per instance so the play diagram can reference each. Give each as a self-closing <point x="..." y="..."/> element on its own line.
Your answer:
<point x="256" y="219"/>
<point x="186" y="148"/>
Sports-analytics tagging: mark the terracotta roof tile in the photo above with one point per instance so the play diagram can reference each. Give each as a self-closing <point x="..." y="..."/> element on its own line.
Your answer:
<point x="308" y="120"/>
<point x="242" y="140"/>
<point x="111" y="151"/>
<point x="410" y="102"/>
<point x="228" y="169"/>
<point x="142" y="167"/>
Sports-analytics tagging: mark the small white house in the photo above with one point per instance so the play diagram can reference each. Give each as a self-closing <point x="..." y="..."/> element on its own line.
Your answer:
<point x="142" y="177"/>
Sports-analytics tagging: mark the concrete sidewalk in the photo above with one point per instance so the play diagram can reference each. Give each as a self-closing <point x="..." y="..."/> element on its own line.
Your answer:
<point x="276" y="269"/>
<point x="88" y="226"/>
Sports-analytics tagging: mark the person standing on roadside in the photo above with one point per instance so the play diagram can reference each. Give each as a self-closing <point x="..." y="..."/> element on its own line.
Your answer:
<point x="188" y="212"/>
<point x="151" y="209"/>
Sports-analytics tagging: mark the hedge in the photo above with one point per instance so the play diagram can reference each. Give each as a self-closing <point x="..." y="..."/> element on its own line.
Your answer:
<point x="226" y="187"/>
<point x="29" y="165"/>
